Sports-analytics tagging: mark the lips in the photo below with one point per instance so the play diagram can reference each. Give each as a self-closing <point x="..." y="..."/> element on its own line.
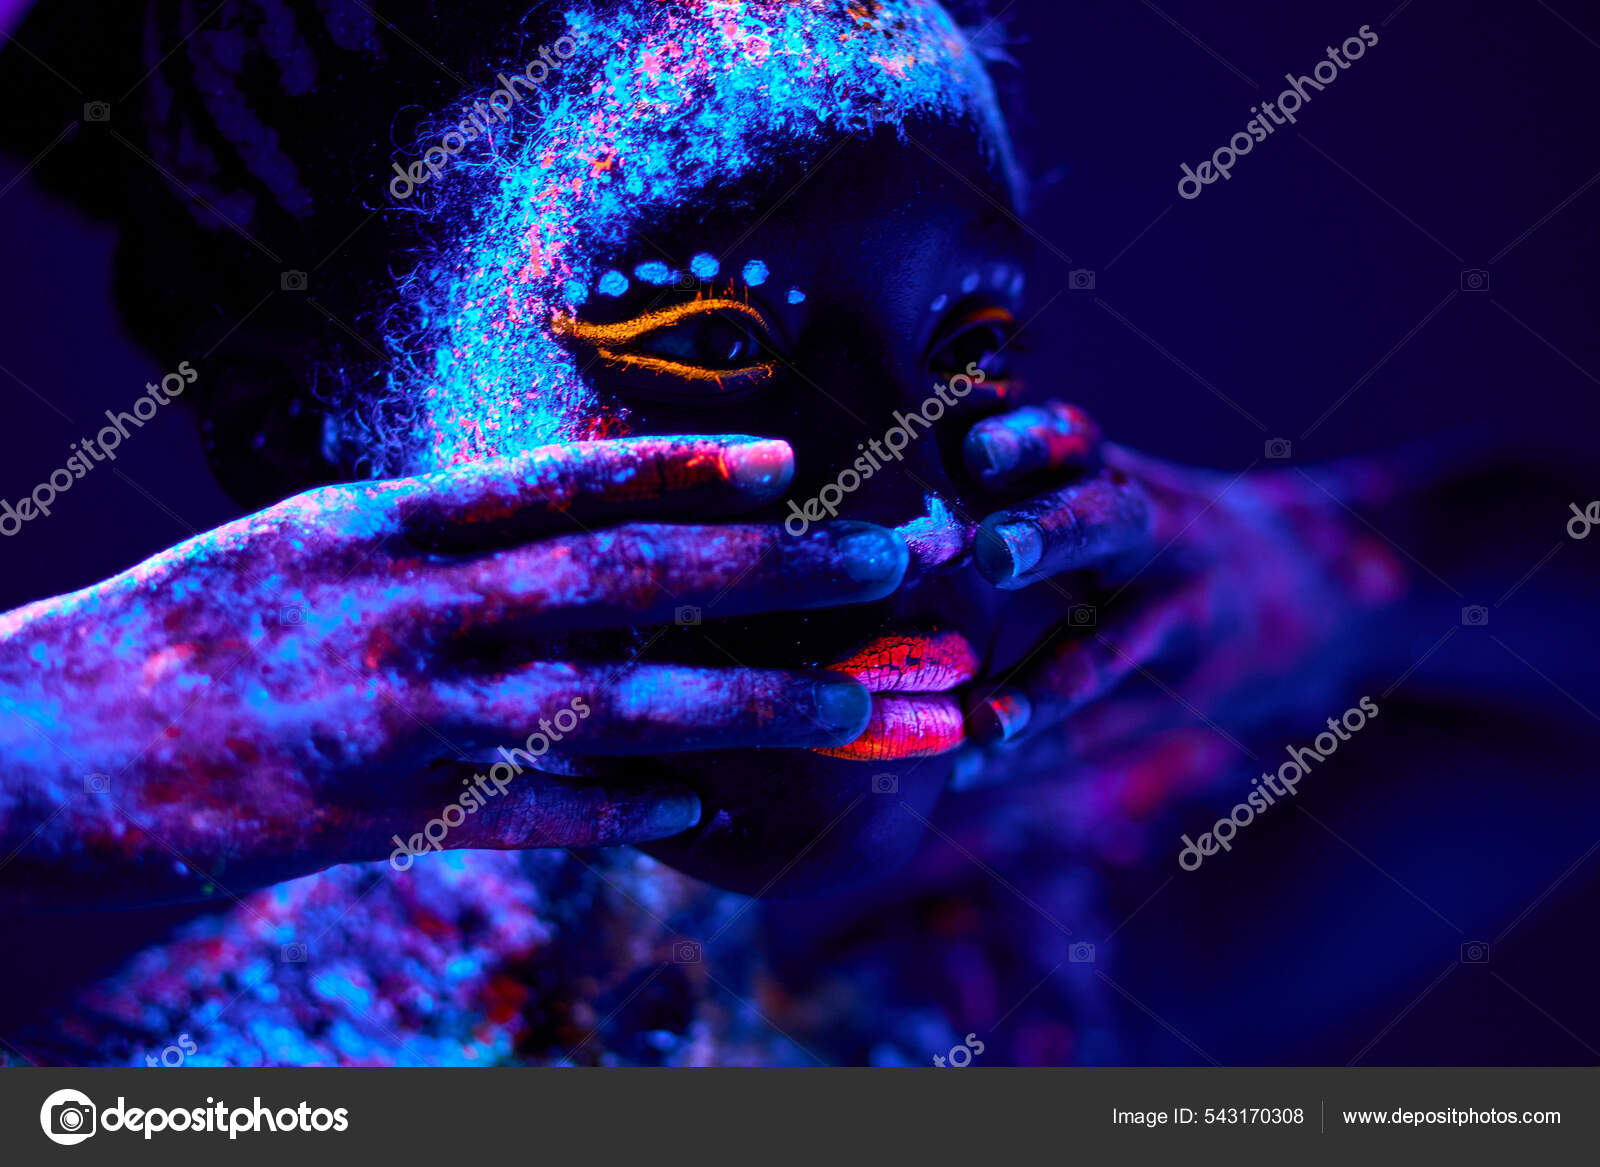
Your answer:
<point x="911" y="676"/>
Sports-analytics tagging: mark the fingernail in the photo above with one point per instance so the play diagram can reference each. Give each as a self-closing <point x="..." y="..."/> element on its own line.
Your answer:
<point x="765" y="466"/>
<point x="872" y="556"/>
<point x="1009" y="550"/>
<point x="672" y="814"/>
<point x="843" y="707"/>
<point x="989" y="454"/>
<point x="999" y="717"/>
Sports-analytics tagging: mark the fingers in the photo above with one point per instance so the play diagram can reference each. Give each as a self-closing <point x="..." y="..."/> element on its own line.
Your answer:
<point x="1087" y="524"/>
<point x="579" y="485"/>
<point x="642" y="573"/>
<point x="504" y="809"/>
<point x="649" y="709"/>
<point x="1054" y="436"/>
<point x="999" y="716"/>
<point x="1080" y="672"/>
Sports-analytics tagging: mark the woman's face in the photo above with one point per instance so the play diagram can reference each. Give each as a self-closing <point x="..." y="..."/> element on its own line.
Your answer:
<point x="813" y="247"/>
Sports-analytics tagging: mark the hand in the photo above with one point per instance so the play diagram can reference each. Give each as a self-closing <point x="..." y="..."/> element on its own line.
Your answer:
<point x="299" y="687"/>
<point x="1221" y="589"/>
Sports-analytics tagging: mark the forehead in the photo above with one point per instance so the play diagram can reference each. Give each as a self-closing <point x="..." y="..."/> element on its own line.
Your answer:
<point x="669" y="98"/>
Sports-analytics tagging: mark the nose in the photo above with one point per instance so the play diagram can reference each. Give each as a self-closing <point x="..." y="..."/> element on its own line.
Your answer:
<point x="886" y="446"/>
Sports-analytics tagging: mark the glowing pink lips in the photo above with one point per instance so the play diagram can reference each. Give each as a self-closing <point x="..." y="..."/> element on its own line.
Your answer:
<point x="911" y="676"/>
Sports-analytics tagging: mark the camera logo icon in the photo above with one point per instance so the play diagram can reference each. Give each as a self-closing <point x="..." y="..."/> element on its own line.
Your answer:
<point x="97" y="111"/>
<point x="294" y="281"/>
<point x="1475" y="952"/>
<point x="1279" y="448"/>
<point x="1080" y="279"/>
<point x="687" y="615"/>
<point x="1083" y="615"/>
<point x="68" y="1117"/>
<point x="886" y="784"/>
<point x="1474" y="279"/>
<point x="97" y="783"/>
<point x="1475" y="615"/>
<point x="292" y="954"/>
<point x="686" y="281"/>
<point x="686" y="952"/>
<point x="1081" y="953"/>
<point x="292" y="615"/>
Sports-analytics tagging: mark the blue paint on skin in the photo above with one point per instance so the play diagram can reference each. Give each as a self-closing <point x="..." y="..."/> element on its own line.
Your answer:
<point x="576" y="293"/>
<point x="939" y="303"/>
<point x="796" y="296"/>
<point x="755" y="273"/>
<point x="655" y="272"/>
<point x="664" y="102"/>
<point x="970" y="284"/>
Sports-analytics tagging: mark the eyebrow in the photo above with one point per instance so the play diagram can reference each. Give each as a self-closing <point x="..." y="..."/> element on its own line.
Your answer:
<point x="627" y="330"/>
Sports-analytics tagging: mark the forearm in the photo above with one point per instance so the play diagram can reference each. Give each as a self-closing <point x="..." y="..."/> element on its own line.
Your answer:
<point x="71" y="743"/>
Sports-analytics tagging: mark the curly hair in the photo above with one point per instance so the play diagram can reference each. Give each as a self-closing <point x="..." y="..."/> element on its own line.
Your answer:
<point x="236" y="151"/>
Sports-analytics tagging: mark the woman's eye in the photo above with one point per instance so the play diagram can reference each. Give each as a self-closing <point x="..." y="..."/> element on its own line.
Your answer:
<point x="721" y="346"/>
<point x="979" y="340"/>
<point x="711" y="341"/>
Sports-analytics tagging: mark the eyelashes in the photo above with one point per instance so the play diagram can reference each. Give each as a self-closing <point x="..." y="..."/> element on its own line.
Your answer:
<point x="718" y="343"/>
<point x="984" y="337"/>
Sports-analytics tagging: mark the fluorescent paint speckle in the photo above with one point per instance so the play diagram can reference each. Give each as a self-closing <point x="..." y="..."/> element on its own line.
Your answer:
<point x="970" y="283"/>
<point x="655" y="272"/>
<point x="668" y="102"/>
<point x="575" y="292"/>
<point x="940" y="302"/>
<point x="796" y="296"/>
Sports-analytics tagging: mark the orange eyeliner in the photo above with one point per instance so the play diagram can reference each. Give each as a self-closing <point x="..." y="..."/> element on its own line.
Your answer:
<point x="630" y="330"/>
<point x="739" y="378"/>
<point x="994" y="314"/>
<point x="609" y="340"/>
